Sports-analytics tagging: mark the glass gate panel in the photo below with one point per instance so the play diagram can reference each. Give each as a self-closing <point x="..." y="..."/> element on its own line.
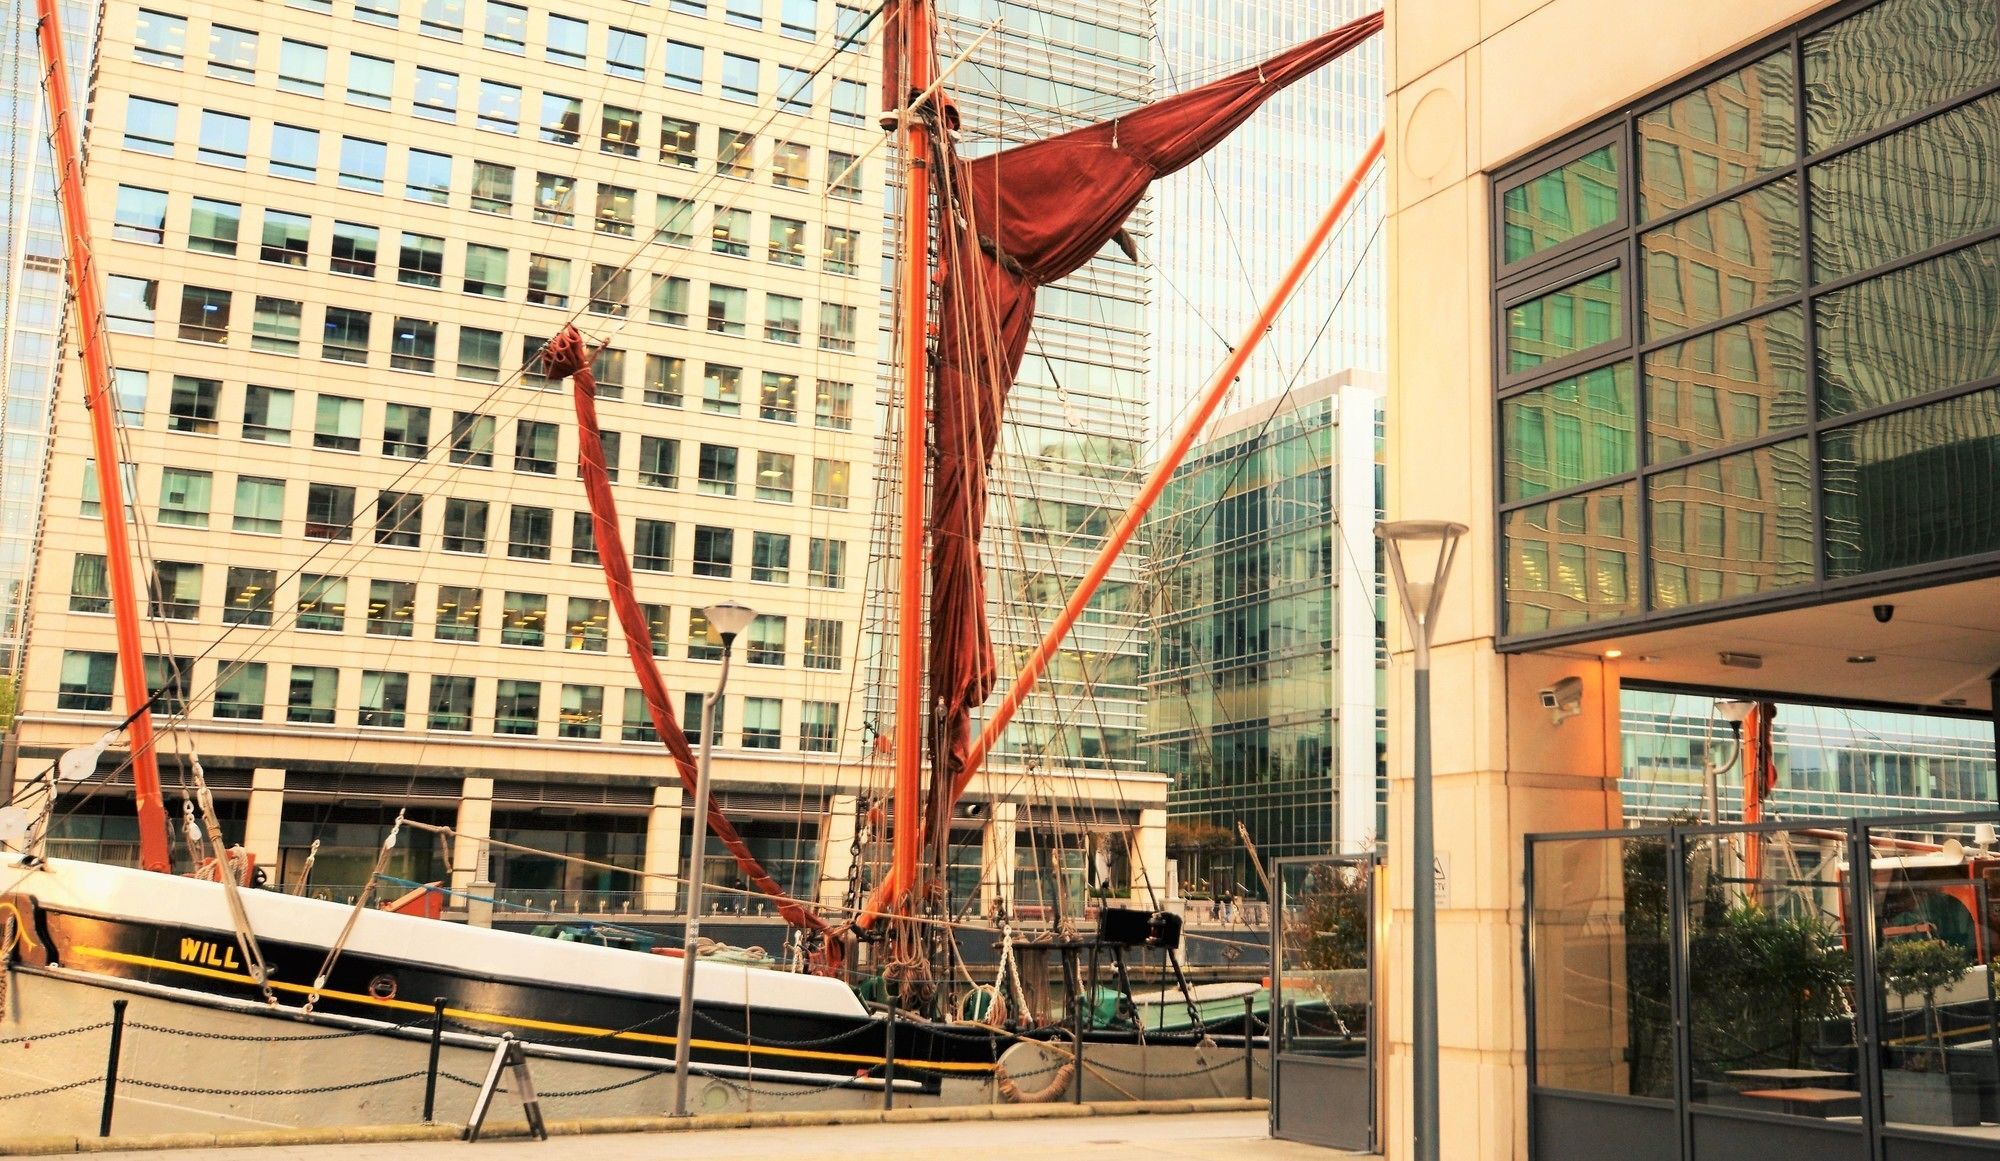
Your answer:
<point x="1323" y="1001"/>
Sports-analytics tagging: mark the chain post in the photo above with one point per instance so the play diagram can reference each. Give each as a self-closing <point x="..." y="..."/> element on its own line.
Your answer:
<point x="889" y="1057"/>
<point x="1076" y="1094"/>
<point x="111" y="1065"/>
<point x="1249" y="1046"/>
<point x="437" y="1047"/>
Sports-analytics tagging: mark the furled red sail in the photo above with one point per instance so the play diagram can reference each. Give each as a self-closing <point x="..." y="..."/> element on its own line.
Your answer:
<point x="566" y="355"/>
<point x="1023" y="218"/>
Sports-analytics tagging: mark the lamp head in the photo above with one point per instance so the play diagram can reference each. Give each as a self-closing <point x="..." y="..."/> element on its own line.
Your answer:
<point x="727" y="620"/>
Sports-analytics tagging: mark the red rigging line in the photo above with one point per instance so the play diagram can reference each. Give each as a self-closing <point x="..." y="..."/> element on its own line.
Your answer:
<point x="566" y="355"/>
<point x="154" y="852"/>
<point x="1019" y="219"/>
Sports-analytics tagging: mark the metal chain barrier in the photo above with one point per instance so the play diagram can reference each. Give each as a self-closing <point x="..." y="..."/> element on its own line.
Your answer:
<point x="56" y="1035"/>
<point x="198" y="1090"/>
<point x="54" y="1088"/>
<point x="272" y="1039"/>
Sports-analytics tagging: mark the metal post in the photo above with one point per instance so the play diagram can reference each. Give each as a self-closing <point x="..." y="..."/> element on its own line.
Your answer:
<point x="1423" y="935"/>
<point x="889" y="1056"/>
<point x="1249" y="1043"/>
<point x="1076" y="1091"/>
<point x="691" y="939"/>
<point x="111" y="1065"/>
<point x="437" y="1046"/>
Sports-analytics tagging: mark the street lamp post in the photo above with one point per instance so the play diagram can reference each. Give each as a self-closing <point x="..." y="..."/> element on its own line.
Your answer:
<point x="1421" y="600"/>
<point x="725" y="621"/>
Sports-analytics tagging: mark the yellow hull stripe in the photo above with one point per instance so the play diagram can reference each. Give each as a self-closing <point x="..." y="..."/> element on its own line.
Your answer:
<point x="514" y="1021"/>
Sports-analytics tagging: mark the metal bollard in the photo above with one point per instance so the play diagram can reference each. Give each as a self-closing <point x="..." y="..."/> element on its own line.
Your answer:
<point x="437" y="1046"/>
<point x="111" y="1065"/>
<point x="889" y="1056"/>
<point x="1249" y="1065"/>
<point x="1076" y="1092"/>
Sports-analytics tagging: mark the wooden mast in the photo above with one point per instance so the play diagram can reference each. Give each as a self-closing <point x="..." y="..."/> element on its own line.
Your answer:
<point x="914" y="76"/>
<point x="82" y="271"/>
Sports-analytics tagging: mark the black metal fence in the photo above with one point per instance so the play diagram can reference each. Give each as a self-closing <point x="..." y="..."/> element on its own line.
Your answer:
<point x="1715" y="993"/>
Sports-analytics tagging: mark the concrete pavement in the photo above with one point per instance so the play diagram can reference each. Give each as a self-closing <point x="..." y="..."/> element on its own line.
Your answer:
<point x="1181" y="1137"/>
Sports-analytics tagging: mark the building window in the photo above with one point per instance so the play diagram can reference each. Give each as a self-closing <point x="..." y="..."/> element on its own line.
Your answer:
<point x="191" y="405"/>
<point x="204" y="315"/>
<point x="790" y="162"/>
<point x="310" y="695"/>
<point x="625" y="54"/>
<point x="694" y="716"/>
<point x="731" y="232"/>
<point x="615" y="205"/>
<point x="89" y="589"/>
<point x="535" y="447"/>
<point x="763" y="720"/>
<point x="582" y="539"/>
<point x="637" y="719"/>
<point x="665" y="376"/>
<point x="354" y="249"/>
<point x="717" y="475"/>
<point x="413" y="345"/>
<point x="499" y="108"/>
<point x="799" y="19"/>
<point x="247" y="596"/>
<point x="822" y="648"/>
<point x="735" y="154"/>
<point x="677" y="142"/>
<point x="610" y="288"/>
<point x="774" y="476"/>
<point x="700" y="646"/>
<point x="345" y="338"/>
<point x="795" y="90"/>
<point x="684" y="66"/>
<point x="457" y="613"/>
<point x="562" y="119"/>
<point x="364" y="165"/>
<point x="782" y="321"/>
<point x="485" y="270"/>
<point x="836" y="327"/>
<point x="239" y="690"/>
<point x="517" y="707"/>
<point x="618" y="131"/>
<point x="722" y="389"/>
<point x="185" y="497"/>
<point x="370" y="80"/>
<point x="744" y="13"/>
<point x="843" y="176"/>
<point x="530" y="532"/>
<point x="771" y="558"/>
<point x="589" y="627"/>
<point x="659" y="462"/>
<point x="276" y="324"/>
<point x="582" y="714"/>
<point x="444" y="19"/>
<point x="131" y="388"/>
<point x="86" y="680"/>
<point x="548" y="280"/>
<point x="673" y="221"/>
<point x="322" y="603"/>
<point x="714" y="551"/>
<point x="159" y="38"/>
<point x="337" y="423"/>
<point x="384" y="698"/>
<point x="167" y="681"/>
<point x="826" y="563"/>
<point x="399" y="519"/>
<point x="213" y="226"/>
<point x="607" y="367"/>
<point x="260" y="505"/>
<point x="232" y="54"/>
<point x="472" y="439"/>
<point x="506" y="28"/>
<point x="451" y="703"/>
<point x="386" y="13"/>
<point x="130" y="304"/>
<point x="523" y="619"/>
<point x="727" y="310"/>
<point x="568" y="41"/>
<point x="302" y="68"/>
<point x="175" y="594"/>
<point x="850" y="103"/>
<point x="492" y="188"/>
<point x="819" y="727"/>
<point x="329" y="512"/>
<point x="429" y="178"/>
<point x="150" y="126"/>
<point x="465" y="525"/>
<point x="140" y="216"/>
<point x="392" y="608"/>
<point x="478" y="354"/>
<point x="668" y="305"/>
<point x="652" y="546"/>
<point x="267" y="414"/>
<point x="739" y="78"/>
<point x="833" y="406"/>
<point x="842" y="247"/>
<point x="785" y="244"/>
<point x="830" y="484"/>
<point x="406" y="431"/>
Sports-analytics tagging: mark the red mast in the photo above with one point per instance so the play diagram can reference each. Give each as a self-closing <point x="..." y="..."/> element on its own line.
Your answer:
<point x="82" y="271"/>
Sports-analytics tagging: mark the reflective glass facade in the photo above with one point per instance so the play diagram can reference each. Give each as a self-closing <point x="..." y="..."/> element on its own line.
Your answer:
<point x="1748" y="354"/>
<point x="1265" y="665"/>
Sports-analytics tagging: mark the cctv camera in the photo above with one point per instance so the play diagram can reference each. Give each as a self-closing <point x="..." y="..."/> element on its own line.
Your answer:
<point x="1883" y="613"/>
<point x="1564" y="699"/>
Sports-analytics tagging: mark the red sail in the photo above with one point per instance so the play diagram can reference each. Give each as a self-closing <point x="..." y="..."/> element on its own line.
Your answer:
<point x="566" y="355"/>
<point x="1026" y="217"/>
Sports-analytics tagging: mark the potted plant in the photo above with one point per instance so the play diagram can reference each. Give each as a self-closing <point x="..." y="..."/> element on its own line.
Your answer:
<point x="1923" y="1090"/>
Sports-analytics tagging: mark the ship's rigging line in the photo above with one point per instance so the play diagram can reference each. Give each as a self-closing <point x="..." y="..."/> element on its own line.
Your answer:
<point x="354" y="550"/>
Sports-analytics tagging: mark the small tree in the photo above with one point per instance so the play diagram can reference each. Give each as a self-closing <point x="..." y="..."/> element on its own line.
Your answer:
<point x="1923" y="967"/>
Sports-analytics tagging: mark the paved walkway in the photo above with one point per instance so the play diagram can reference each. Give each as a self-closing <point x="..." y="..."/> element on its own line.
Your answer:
<point x="1186" y="1137"/>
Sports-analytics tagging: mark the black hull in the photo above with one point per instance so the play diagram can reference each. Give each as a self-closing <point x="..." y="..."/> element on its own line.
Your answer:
<point x="569" y="1014"/>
